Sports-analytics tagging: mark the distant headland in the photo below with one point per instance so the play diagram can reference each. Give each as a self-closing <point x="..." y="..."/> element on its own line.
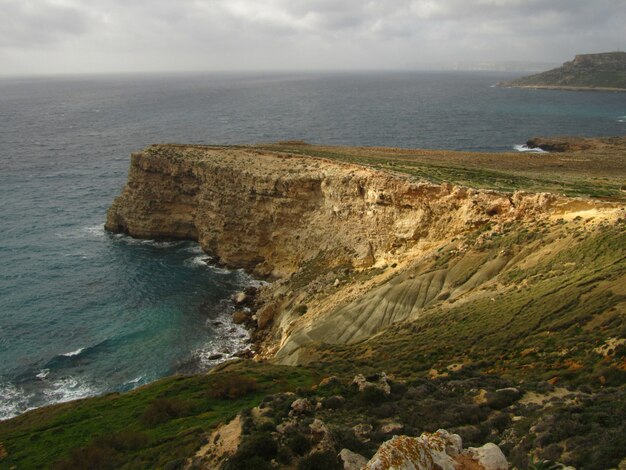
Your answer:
<point x="601" y="72"/>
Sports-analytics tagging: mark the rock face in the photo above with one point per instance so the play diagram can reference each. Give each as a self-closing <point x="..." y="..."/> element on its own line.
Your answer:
<point x="271" y="212"/>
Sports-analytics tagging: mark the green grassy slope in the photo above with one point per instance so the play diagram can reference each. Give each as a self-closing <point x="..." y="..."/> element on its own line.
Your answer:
<point x="146" y="428"/>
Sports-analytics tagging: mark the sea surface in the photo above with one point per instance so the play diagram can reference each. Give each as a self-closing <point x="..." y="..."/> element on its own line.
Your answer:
<point x="84" y="312"/>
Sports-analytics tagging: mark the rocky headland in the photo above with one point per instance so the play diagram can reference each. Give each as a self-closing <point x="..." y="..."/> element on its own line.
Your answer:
<point x="602" y="72"/>
<point x="489" y="288"/>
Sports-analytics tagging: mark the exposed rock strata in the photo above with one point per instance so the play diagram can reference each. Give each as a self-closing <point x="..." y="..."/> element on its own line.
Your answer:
<point x="306" y="222"/>
<point x="271" y="213"/>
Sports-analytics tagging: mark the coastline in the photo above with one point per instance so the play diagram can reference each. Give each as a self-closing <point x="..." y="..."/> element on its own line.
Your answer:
<point x="563" y="88"/>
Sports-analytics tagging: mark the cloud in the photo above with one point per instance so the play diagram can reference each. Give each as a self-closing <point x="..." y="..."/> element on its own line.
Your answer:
<point x="231" y="34"/>
<point x="27" y="23"/>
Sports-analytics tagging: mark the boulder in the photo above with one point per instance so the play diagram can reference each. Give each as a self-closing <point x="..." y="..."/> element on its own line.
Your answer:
<point x="351" y="460"/>
<point x="240" y="316"/>
<point x="240" y="298"/>
<point x="428" y="452"/>
<point x="380" y="381"/>
<point x="362" y="432"/>
<point x="265" y="316"/>
<point x="489" y="456"/>
<point x="301" y="406"/>
<point x="391" y="428"/>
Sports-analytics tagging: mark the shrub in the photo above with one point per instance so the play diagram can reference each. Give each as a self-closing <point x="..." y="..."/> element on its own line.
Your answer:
<point x="164" y="409"/>
<point x="299" y="444"/>
<point x="103" y="452"/>
<point x="320" y="460"/>
<point x="89" y="458"/>
<point x="373" y="396"/>
<point x="239" y="462"/>
<point x="260" y="445"/>
<point x="232" y="387"/>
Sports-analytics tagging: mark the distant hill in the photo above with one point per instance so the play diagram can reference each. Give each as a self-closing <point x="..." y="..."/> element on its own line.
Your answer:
<point x="605" y="71"/>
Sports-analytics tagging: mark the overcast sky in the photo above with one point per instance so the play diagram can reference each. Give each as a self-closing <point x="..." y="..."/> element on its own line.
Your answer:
<point x="68" y="36"/>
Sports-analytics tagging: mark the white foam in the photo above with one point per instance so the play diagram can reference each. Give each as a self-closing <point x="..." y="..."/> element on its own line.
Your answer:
<point x="67" y="389"/>
<point x="196" y="249"/>
<point x="94" y="230"/>
<point x="13" y="401"/>
<point x="43" y="373"/>
<point x="73" y="353"/>
<point x="229" y="338"/>
<point x="135" y="380"/>
<point x="200" y="261"/>
<point x="526" y="149"/>
<point x="217" y="270"/>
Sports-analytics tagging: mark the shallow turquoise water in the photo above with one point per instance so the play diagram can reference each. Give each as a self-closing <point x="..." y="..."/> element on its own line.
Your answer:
<point x="85" y="312"/>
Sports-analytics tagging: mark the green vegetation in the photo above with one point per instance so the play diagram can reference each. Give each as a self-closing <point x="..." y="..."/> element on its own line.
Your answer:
<point x="551" y="176"/>
<point x="146" y="428"/>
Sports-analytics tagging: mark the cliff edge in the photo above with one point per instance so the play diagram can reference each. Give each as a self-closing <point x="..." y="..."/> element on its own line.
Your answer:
<point x="351" y="249"/>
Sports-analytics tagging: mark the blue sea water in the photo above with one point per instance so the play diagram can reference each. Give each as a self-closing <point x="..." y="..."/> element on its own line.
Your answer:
<point x="84" y="312"/>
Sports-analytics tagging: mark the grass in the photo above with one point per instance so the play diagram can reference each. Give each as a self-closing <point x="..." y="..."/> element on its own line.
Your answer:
<point x="556" y="316"/>
<point x="172" y="417"/>
<point x="592" y="176"/>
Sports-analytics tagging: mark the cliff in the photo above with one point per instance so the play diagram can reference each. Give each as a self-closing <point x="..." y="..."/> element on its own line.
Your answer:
<point x="352" y="249"/>
<point x="271" y="212"/>
<point x="604" y="71"/>
<point x="409" y="301"/>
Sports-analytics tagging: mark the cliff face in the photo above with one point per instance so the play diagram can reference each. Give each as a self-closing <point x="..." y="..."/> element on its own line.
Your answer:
<point x="271" y="213"/>
<point x="351" y="250"/>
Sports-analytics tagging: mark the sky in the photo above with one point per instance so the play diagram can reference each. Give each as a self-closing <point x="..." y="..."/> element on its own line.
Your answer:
<point x="95" y="36"/>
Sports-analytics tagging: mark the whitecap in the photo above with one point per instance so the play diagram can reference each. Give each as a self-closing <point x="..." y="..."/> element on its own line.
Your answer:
<point x="13" y="401"/>
<point x="73" y="353"/>
<point x="135" y="380"/>
<point x="526" y="149"/>
<point x="43" y="373"/>
<point x="67" y="389"/>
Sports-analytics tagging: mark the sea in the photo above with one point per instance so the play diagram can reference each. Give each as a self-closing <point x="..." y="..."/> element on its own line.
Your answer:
<point x="85" y="312"/>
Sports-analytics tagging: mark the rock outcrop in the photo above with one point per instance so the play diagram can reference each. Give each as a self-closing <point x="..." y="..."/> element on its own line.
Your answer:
<point x="439" y="450"/>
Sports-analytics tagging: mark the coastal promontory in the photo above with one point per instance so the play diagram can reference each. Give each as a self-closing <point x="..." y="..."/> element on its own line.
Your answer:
<point x="604" y="72"/>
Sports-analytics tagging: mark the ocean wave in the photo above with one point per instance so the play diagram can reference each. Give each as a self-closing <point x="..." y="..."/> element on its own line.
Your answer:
<point x="73" y="353"/>
<point x="128" y="240"/>
<point x="200" y="261"/>
<point x="195" y="249"/>
<point x="67" y="389"/>
<point x="526" y="149"/>
<point x="70" y="358"/>
<point x="135" y="381"/>
<point x="13" y="401"/>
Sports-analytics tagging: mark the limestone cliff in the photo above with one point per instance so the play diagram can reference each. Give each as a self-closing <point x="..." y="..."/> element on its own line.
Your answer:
<point x="273" y="212"/>
<point x="351" y="249"/>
